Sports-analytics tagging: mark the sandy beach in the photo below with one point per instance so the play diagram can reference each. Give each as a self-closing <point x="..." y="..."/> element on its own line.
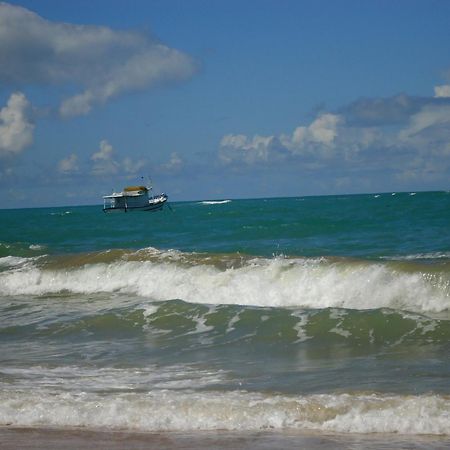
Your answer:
<point x="12" y="438"/>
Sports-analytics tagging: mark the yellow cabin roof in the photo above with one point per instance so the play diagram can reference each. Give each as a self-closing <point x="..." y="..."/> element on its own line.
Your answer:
<point x="135" y="188"/>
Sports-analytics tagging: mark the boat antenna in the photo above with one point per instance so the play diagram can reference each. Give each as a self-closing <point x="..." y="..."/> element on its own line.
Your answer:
<point x="150" y="185"/>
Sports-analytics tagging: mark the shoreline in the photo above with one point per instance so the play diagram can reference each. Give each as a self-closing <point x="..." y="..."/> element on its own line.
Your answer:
<point x="15" y="438"/>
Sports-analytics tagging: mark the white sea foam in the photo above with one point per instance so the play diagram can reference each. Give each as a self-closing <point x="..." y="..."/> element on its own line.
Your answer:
<point x="200" y="323"/>
<point x="236" y="410"/>
<point x="36" y="247"/>
<point x="215" y="202"/>
<point x="65" y="213"/>
<point x="418" y="256"/>
<point x="233" y="321"/>
<point x="274" y="282"/>
<point x="149" y="310"/>
<point x="11" y="261"/>
<point x="89" y="379"/>
<point x="339" y="315"/>
<point x="300" y="326"/>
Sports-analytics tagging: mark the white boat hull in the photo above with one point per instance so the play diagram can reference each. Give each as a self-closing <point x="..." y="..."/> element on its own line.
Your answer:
<point x="153" y="204"/>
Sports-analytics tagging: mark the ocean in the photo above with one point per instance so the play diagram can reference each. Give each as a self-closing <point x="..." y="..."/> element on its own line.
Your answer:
<point x="325" y="315"/>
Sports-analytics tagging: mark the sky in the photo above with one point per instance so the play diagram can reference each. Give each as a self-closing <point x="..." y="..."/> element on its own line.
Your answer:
<point x="218" y="99"/>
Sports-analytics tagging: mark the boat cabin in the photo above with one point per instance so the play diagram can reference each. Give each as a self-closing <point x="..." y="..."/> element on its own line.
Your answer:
<point x="133" y="198"/>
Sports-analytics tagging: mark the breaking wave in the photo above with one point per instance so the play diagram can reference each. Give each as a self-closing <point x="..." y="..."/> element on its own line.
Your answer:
<point x="234" y="279"/>
<point x="184" y="410"/>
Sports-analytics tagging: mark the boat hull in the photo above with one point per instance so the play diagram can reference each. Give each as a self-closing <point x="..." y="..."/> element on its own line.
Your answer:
<point x="152" y="205"/>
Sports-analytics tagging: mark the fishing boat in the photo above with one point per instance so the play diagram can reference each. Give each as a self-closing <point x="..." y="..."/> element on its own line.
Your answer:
<point x="134" y="198"/>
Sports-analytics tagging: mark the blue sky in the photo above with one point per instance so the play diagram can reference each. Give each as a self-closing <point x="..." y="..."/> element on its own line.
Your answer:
<point x="222" y="99"/>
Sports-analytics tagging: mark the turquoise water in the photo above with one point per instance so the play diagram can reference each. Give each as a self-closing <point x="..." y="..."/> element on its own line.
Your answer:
<point x="363" y="226"/>
<point x="315" y="313"/>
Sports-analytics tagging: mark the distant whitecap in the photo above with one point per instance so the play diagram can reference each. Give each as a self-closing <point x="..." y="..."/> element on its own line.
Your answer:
<point x="215" y="202"/>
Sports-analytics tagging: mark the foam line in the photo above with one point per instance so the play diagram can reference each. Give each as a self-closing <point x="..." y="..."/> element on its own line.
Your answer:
<point x="236" y="410"/>
<point x="276" y="282"/>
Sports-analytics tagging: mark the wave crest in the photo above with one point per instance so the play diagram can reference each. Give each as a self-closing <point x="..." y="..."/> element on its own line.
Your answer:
<point x="276" y="282"/>
<point x="236" y="410"/>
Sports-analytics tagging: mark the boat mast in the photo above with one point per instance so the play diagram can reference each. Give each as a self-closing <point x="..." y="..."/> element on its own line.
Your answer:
<point x="149" y="184"/>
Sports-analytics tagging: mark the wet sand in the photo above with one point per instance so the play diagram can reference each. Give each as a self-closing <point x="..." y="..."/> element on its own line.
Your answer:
<point x="38" y="438"/>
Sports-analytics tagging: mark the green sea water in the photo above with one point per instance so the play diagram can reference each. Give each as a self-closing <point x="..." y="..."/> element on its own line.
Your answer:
<point x="311" y="313"/>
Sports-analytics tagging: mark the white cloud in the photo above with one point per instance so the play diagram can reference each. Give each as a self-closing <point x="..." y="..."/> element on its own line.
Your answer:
<point x="101" y="62"/>
<point x="422" y="169"/>
<point x="78" y="105"/>
<point x="69" y="164"/>
<point x="133" y="167"/>
<point x="322" y="131"/>
<point x="442" y="91"/>
<point x="105" y="152"/>
<point x="251" y="150"/>
<point x="174" y="164"/>
<point x="419" y="149"/>
<point x="106" y="162"/>
<point x="429" y="129"/>
<point x="325" y="138"/>
<point x="16" y="128"/>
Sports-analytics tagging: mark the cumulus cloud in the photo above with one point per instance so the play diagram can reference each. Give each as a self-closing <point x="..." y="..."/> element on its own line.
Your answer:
<point x="105" y="153"/>
<point x="428" y="136"/>
<point x="421" y="169"/>
<point x="325" y="138"/>
<point x="133" y="167"/>
<point x="319" y="136"/>
<point x="416" y="144"/>
<point x="78" y="105"/>
<point x="442" y="91"/>
<point x="16" y="127"/>
<point x="431" y="117"/>
<point x="101" y="62"/>
<point x="251" y="150"/>
<point x="107" y="163"/>
<point x="322" y="131"/>
<point x="104" y="162"/>
<point x="69" y="164"/>
<point x="174" y="164"/>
